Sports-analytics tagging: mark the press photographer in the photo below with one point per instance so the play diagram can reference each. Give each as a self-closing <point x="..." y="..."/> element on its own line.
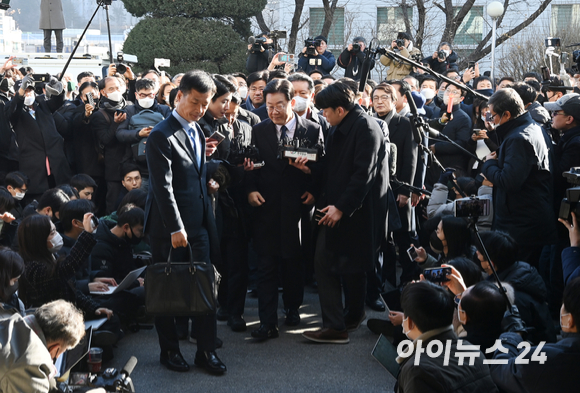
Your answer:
<point x="315" y="56"/>
<point x="259" y="49"/>
<point x="404" y="46"/>
<point x="352" y="58"/>
<point x="443" y="59"/>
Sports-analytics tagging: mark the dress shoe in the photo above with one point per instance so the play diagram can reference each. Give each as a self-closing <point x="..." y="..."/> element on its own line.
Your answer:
<point x="222" y="314"/>
<point x="237" y="323"/>
<point x="218" y="342"/>
<point x="174" y="361"/>
<point x="327" y="335"/>
<point x="210" y="361"/>
<point x="376" y="305"/>
<point x="353" y="323"/>
<point x="381" y="326"/>
<point x="292" y="318"/>
<point x="265" y="332"/>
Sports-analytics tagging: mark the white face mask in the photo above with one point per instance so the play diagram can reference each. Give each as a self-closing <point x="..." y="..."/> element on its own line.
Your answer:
<point x="428" y="93"/>
<point x="29" y="100"/>
<point x="300" y="104"/>
<point x="243" y="90"/>
<point x="406" y="333"/>
<point x="19" y="196"/>
<point x="146" y="103"/>
<point x="56" y="243"/>
<point x="564" y="326"/>
<point x="447" y="52"/>
<point x="115" y="96"/>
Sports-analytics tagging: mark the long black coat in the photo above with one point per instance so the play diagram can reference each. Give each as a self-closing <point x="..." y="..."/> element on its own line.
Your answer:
<point x="401" y="134"/>
<point x="39" y="139"/>
<point x="86" y="145"/>
<point x="355" y="180"/>
<point x="276" y="222"/>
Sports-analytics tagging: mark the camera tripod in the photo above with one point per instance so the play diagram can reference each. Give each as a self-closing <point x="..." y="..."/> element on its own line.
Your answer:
<point x="100" y="3"/>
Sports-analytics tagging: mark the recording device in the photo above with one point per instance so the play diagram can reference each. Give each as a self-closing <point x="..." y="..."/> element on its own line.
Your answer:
<point x="300" y="148"/>
<point x="216" y="136"/>
<point x="111" y="380"/>
<point x="570" y="203"/>
<point x="400" y="43"/>
<point x="318" y="214"/>
<point x="105" y="2"/>
<point x="94" y="222"/>
<point x="412" y="253"/>
<point x="355" y="47"/>
<point x="91" y="99"/>
<point x="239" y="152"/>
<point x="277" y="34"/>
<point x="545" y="74"/>
<point x="311" y="44"/>
<point x="471" y="207"/>
<point x="166" y="63"/>
<point x="123" y="58"/>
<point x="258" y="43"/>
<point x="5" y="4"/>
<point x="551" y="41"/>
<point x="41" y="78"/>
<point x="442" y="55"/>
<point x="437" y="274"/>
<point x="286" y="58"/>
<point x="470" y="65"/>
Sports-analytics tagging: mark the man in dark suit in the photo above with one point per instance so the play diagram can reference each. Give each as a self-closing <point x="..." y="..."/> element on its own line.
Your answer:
<point x="178" y="211"/>
<point x="400" y="133"/>
<point x="354" y="199"/>
<point x="280" y="191"/>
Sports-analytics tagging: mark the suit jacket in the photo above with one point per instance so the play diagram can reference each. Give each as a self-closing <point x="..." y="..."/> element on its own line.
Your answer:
<point x="177" y="196"/>
<point x="355" y="180"/>
<point x="276" y="222"/>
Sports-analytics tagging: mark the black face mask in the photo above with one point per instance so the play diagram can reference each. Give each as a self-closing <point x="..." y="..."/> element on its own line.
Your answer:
<point x="435" y="243"/>
<point x="134" y="240"/>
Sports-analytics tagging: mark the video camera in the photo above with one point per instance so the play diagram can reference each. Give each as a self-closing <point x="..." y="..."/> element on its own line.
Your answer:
<point x="442" y="54"/>
<point x="311" y="44"/>
<point x="570" y="203"/>
<point x="258" y="43"/>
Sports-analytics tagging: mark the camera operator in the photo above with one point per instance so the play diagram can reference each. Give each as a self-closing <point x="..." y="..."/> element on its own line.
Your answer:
<point x="33" y="344"/>
<point x="404" y="46"/>
<point x="428" y="316"/>
<point x="571" y="255"/>
<point x="352" y="57"/>
<point x="315" y="56"/>
<point x="521" y="178"/>
<point x="558" y="373"/>
<point x="443" y="59"/>
<point x="259" y="49"/>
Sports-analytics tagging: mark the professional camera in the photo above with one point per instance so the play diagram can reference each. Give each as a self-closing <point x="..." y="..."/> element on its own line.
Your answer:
<point x="442" y="55"/>
<point x="570" y="203"/>
<point x="576" y="59"/>
<point x="356" y="47"/>
<point x="400" y="43"/>
<point x="239" y="152"/>
<point x="300" y="148"/>
<point x="277" y="34"/>
<point x="258" y="43"/>
<point x="311" y="45"/>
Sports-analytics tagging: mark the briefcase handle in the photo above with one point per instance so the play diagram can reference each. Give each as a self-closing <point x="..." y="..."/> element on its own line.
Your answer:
<point x="191" y="268"/>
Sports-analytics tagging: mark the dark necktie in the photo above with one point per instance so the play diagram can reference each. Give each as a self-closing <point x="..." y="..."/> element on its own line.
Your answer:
<point x="283" y="134"/>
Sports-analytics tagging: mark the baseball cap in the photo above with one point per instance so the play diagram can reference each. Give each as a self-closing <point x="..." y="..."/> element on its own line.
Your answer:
<point x="569" y="103"/>
<point x="321" y="37"/>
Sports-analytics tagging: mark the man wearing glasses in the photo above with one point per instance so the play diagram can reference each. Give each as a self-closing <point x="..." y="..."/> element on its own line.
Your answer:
<point x="140" y="120"/>
<point x="521" y="178"/>
<point x="279" y="192"/>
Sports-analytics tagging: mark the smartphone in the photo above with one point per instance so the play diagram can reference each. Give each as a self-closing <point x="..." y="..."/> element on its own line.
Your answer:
<point x="471" y="207"/>
<point x="286" y="58"/>
<point x="217" y="136"/>
<point x="94" y="222"/>
<point x="318" y="214"/>
<point x="545" y="73"/>
<point x="437" y="274"/>
<point x="412" y="253"/>
<point x="471" y="64"/>
<point x="45" y="78"/>
<point x="476" y="131"/>
<point x="91" y="99"/>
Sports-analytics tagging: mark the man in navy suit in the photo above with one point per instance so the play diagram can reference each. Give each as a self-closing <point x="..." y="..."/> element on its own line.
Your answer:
<point x="280" y="193"/>
<point x="178" y="209"/>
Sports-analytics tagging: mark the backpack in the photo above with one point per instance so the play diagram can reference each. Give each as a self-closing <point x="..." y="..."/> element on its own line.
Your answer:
<point x="145" y="118"/>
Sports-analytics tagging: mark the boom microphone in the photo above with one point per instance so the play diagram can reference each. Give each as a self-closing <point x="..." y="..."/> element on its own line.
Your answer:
<point x="366" y="68"/>
<point x="415" y="112"/>
<point x="251" y="40"/>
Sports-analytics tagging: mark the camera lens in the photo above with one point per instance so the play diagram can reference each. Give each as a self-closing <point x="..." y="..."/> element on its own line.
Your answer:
<point x="121" y="68"/>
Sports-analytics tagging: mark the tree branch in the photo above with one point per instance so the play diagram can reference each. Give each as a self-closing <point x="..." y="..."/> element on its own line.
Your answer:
<point x="261" y="22"/>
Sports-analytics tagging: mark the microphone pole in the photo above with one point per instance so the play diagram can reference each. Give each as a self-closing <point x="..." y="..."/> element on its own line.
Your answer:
<point x="370" y="56"/>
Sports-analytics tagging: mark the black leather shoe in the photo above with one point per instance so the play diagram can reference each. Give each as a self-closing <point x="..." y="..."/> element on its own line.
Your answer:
<point x="210" y="361"/>
<point x="237" y="324"/>
<point x="292" y="318"/>
<point x="265" y="332"/>
<point x="222" y="314"/>
<point x="174" y="361"/>
<point x="376" y="304"/>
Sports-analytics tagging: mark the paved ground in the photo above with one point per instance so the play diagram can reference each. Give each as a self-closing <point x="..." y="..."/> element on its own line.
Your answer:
<point x="289" y="363"/>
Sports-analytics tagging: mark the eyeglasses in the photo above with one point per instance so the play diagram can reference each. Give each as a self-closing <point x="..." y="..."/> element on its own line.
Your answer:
<point x="278" y="108"/>
<point x="381" y="98"/>
<point x="558" y="113"/>
<point x="489" y="116"/>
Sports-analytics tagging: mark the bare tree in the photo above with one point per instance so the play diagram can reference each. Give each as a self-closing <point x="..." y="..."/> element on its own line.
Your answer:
<point x="329" y="8"/>
<point x="296" y="25"/>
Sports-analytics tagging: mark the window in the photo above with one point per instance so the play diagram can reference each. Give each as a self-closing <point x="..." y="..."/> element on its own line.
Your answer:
<point x="336" y="34"/>
<point x="390" y="21"/>
<point x="564" y="16"/>
<point x="470" y="31"/>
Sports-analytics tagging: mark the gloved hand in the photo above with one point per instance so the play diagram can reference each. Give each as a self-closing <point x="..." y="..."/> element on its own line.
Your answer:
<point x="512" y="322"/>
<point x="27" y="81"/>
<point x="446" y="176"/>
<point x="53" y="88"/>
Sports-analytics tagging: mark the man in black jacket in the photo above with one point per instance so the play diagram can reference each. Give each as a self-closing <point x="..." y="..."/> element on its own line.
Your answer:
<point x="443" y="59"/>
<point x="279" y="192"/>
<point x="256" y="83"/>
<point x="521" y="178"/>
<point x="353" y="214"/>
<point x="352" y="57"/>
